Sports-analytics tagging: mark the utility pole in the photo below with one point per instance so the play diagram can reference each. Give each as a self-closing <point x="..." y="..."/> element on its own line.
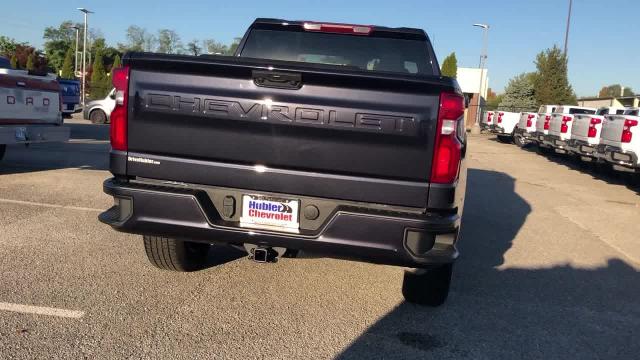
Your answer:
<point x="483" y="58"/>
<point x="84" y="56"/>
<point x="566" y="34"/>
<point x="75" y="54"/>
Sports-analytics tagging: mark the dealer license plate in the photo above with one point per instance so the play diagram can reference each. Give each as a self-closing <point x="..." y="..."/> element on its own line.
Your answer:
<point x="267" y="212"/>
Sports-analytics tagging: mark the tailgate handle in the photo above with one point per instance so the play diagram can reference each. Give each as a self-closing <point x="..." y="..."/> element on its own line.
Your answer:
<point x="21" y="83"/>
<point x="278" y="80"/>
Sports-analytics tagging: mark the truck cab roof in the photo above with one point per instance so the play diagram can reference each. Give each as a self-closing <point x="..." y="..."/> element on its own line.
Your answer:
<point x="570" y="109"/>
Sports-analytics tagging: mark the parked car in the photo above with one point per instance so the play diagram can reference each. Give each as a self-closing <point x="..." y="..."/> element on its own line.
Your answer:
<point x="99" y="111"/>
<point x="487" y="120"/>
<point x="505" y="125"/>
<point x="284" y="148"/>
<point x="560" y="126"/>
<point x="620" y="140"/>
<point x="30" y="110"/>
<point x="70" y="90"/>
<point x="542" y="123"/>
<point x="586" y="130"/>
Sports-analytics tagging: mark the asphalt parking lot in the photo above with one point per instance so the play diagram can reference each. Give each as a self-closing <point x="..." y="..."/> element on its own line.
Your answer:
<point x="549" y="269"/>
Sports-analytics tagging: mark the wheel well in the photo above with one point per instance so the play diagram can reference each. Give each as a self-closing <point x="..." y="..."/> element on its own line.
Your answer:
<point x="94" y="110"/>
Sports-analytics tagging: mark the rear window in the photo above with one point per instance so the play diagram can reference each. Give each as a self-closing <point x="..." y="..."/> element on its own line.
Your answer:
<point x="69" y="89"/>
<point x="543" y="110"/>
<point x="581" y="111"/>
<point x="369" y="53"/>
<point x="5" y="63"/>
<point x="632" y="112"/>
<point x="602" y="111"/>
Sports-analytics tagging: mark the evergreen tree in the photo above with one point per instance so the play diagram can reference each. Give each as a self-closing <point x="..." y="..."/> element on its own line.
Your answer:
<point x="99" y="86"/>
<point x="116" y="64"/>
<point x="14" y="61"/>
<point x="519" y="94"/>
<point x="450" y="66"/>
<point x="67" y="66"/>
<point x="551" y="82"/>
<point x="30" y="62"/>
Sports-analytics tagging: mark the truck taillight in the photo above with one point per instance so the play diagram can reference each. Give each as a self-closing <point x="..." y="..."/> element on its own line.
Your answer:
<point x="565" y="124"/>
<point x="593" y="131"/>
<point x="119" y="113"/>
<point x="500" y="115"/>
<point x="338" y="28"/>
<point x="530" y="120"/>
<point x="547" y="120"/>
<point x="447" y="150"/>
<point x="627" y="135"/>
<point x="489" y="116"/>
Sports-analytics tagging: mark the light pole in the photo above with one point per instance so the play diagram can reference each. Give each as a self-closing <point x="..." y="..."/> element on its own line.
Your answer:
<point x="75" y="54"/>
<point x="566" y="34"/>
<point x="84" y="55"/>
<point x="483" y="58"/>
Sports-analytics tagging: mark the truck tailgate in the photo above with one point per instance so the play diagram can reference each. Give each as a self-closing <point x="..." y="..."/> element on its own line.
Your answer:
<point x="612" y="128"/>
<point x="336" y="130"/>
<point x="581" y="124"/>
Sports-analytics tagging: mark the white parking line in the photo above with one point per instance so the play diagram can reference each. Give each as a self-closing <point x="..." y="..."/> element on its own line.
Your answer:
<point x="41" y="310"/>
<point x="33" y="203"/>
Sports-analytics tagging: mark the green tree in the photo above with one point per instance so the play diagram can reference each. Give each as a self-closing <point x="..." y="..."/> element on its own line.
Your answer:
<point x="68" y="66"/>
<point x="99" y="79"/>
<point x="14" y="61"/>
<point x="58" y="40"/>
<point x="193" y="48"/>
<point x="8" y="45"/>
<point x="213" y="47"/>
<point x="519" y="95"/>
<point x="450" y="66"/>
<point x="31" y="62"/>
<point x="116" y="64"/>
<point x="234" y="45"/>
<point x="138" y="39"/>
<point x="169" y="42"/>
<point x="615" y="91"/>
<point x="551" y="81"/>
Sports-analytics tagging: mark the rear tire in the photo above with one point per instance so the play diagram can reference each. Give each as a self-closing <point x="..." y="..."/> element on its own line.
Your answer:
<point x="519" y="141"/>
<point x="98" y="117"/>
<point x="176" y="255"/>
<point x="428" y="287"/>
<point x="3" y="149"/>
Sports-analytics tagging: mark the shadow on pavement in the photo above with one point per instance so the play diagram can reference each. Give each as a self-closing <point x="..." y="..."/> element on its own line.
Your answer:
<point x="598" y="171"/>
<point x="511" y="313"/>
<point x="222" y="254"/>
<point x="88" y="148"/>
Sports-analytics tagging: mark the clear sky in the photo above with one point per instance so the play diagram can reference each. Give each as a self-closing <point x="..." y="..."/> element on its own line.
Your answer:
<point x="603" y="44"/>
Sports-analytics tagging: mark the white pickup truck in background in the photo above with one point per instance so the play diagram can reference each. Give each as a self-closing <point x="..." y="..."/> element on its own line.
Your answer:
<point x="30" y="108"/>
<point x="525" y="131"/>
<point x="487" y="120"/>
<point x="620" y="141"/>
<point x="504" y="125"/>
<point x="586" y="130"/>
<point x="560" y="126"/>
<point x="541" y="124"/>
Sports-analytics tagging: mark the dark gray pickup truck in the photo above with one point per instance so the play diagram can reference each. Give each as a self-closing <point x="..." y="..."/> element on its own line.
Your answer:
<point x="340" y="140"/>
